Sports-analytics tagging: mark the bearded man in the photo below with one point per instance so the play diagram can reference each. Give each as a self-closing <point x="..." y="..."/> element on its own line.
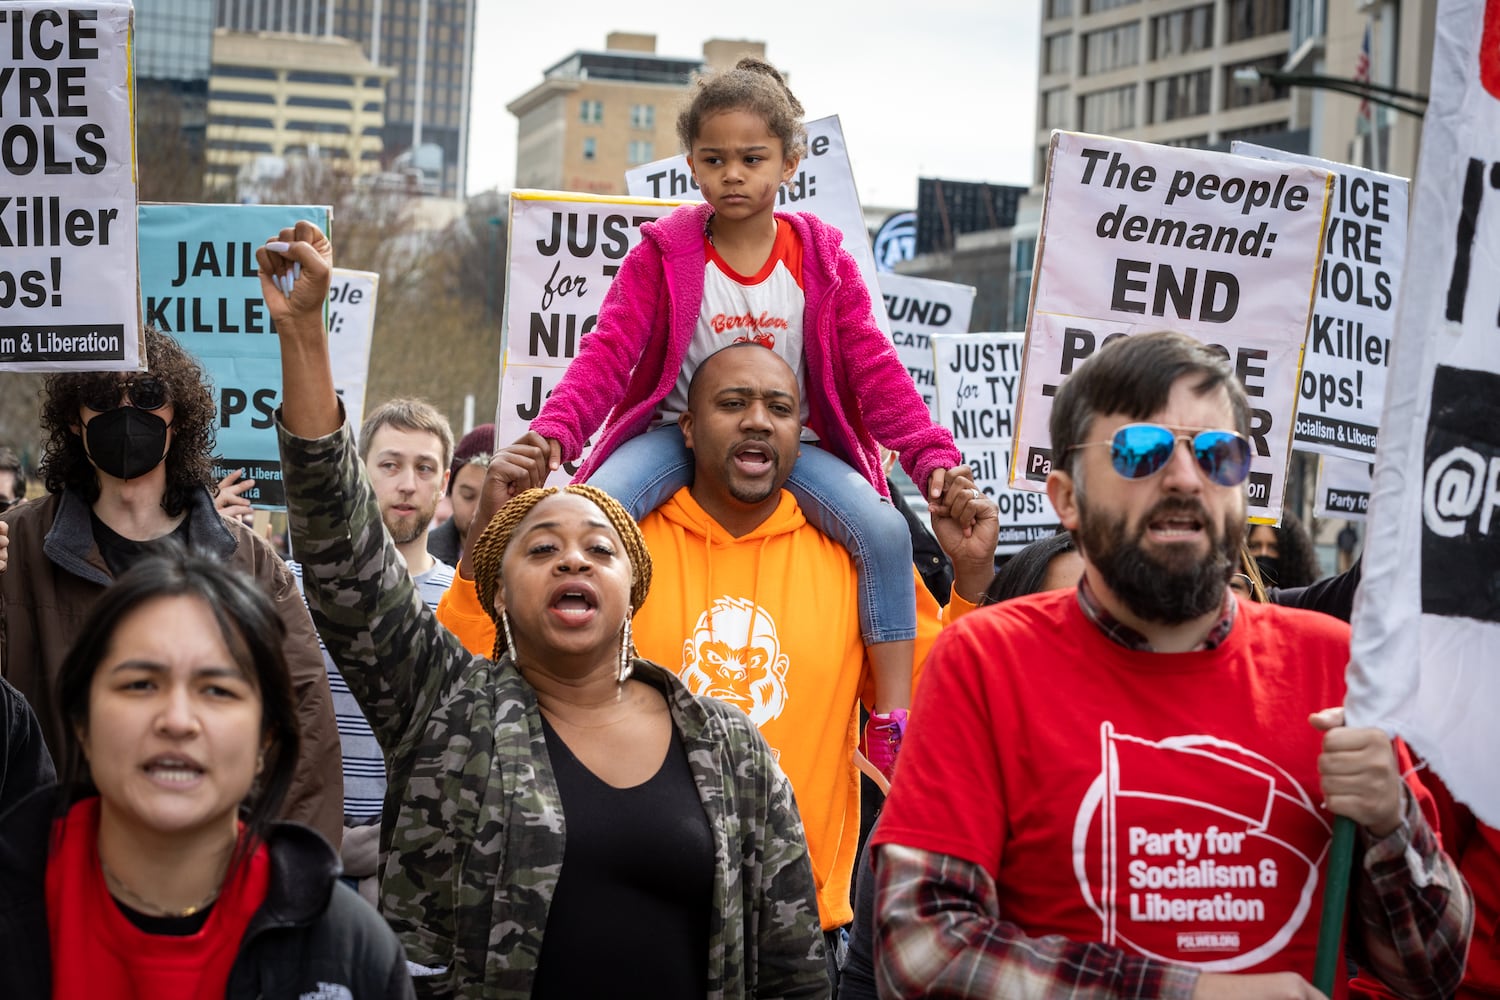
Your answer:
<point x="1127" y="789"/>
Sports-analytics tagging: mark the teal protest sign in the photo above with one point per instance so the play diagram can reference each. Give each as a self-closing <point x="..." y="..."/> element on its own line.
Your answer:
<point x="199" y="283"/>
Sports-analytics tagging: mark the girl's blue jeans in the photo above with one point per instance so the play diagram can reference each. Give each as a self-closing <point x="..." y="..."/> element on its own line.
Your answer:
<point x="646" y="470"/>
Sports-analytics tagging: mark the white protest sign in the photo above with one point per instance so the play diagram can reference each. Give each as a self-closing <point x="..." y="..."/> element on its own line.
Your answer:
<point x="1343" y="489"/>
<point x="1138" y="237"/>
<point x="351" y="330"/>
<point x="823" y="185"/>
<point x="564" y="250"/>
<point x="918" y="308"/>
<point x="1427" y="617"/>
<point x="68" y="263"/>
<point x="978" y="382"/>
<point x="1349" y="344"/>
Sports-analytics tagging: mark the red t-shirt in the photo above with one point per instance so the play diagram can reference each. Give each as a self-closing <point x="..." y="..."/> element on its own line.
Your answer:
<point x="1164" y="804"/>
<point x="98" y="952"/>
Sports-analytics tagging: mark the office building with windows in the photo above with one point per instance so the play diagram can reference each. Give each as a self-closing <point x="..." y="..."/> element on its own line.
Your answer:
<point x="274" y="95"/>
<point x="429" y="47"/>
<point x="594" y="115"/>
<point x="1165" y="71"/>
<point x="1384" y="42"/>
<point x="172" y="53"/>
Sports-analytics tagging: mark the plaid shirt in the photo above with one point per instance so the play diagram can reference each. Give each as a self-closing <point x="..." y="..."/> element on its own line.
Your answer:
<point x="1118" y="632"/>
<point x="941" y="933"/>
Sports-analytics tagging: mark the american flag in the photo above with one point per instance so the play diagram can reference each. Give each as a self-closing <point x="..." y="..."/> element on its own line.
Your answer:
<point x="1362" y="72"/>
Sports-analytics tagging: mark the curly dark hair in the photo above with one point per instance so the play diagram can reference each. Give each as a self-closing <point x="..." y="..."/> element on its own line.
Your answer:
<point x="66" y="466"/>
<point x="753" y="85"/>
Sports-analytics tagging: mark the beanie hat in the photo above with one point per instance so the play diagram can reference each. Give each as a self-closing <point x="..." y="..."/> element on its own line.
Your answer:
<point x="478" y="443"/>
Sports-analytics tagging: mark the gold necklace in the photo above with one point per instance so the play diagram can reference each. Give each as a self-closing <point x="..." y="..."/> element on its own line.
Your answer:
<point x="118" y="888"/>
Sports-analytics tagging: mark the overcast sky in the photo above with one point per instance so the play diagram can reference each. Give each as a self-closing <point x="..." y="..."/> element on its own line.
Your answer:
<point x="939" y="88"/>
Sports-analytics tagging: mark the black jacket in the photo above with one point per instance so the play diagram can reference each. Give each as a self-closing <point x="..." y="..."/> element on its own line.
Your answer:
<point x="27" y="791"/>
<point x="312" y="939"/>
<point x="314" y="933"/>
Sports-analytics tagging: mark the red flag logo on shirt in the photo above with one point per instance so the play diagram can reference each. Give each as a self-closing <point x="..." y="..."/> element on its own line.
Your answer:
<point x="1194" y="849"/>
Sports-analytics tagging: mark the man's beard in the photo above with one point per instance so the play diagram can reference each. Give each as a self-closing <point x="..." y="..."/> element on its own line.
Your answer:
<point x="403" y="531"/>
<point x="1167" y="591"/>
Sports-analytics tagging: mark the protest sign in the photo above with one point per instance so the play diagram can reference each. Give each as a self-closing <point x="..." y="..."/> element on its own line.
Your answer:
<point x="1427" y="621"/>
<point x="1343" y="488"/>
<point x="1349" y="344"/>
<point x="564" y="250"/>
<point x="978" y="381"/>
<point x="200" y="284"/>
<point x="68" y="297"/>
<point x="351" y="330"/>
<point x="1138" y="237"/>
<point x="822" y="185"/>
<point x="918" y="308"/>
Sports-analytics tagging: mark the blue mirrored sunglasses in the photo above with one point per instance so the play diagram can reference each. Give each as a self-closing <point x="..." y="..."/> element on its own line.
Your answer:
<point x="1141" y="450"/>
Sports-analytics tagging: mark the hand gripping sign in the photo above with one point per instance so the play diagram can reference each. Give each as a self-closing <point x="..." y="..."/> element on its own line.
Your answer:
<point x="1138" y="237"/>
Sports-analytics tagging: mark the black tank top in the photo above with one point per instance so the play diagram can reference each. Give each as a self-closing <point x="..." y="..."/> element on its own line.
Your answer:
<point x="630" y="916"/>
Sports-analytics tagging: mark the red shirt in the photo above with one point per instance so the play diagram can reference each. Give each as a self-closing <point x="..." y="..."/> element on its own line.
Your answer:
<point x="98" y="952"/>
<point x="1167" y="805"/>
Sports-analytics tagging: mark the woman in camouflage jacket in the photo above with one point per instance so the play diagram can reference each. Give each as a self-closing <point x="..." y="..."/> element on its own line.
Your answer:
<point x="473" y="834"/>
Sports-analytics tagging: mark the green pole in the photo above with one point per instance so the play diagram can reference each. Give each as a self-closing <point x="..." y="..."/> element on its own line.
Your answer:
<point x="1335" y="898"/>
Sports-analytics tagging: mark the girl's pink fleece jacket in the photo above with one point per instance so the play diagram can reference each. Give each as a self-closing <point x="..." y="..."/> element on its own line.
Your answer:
<point x="858" y="390"/>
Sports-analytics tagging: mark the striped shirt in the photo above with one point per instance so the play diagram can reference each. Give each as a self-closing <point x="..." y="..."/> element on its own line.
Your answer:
<point x="364" y="766"/>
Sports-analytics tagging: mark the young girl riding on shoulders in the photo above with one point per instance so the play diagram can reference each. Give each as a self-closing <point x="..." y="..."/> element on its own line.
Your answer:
<point x="733" y="269"/>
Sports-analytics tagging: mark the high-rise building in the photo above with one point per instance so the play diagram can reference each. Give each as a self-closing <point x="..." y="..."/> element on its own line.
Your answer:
<point x="1383" y="42"/>
<point x="1165" y="71"/>
<point x="173" y="40"/>
<point x="429" y="44"/>
<point x="596" y="114"/>
<point x="274" y="95"/>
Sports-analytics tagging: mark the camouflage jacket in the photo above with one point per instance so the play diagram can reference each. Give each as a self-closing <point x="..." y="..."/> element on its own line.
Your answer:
<point x="472" y="833"/>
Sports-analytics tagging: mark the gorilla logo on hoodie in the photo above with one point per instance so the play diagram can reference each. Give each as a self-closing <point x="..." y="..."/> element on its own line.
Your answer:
<point x="735" y="655"/>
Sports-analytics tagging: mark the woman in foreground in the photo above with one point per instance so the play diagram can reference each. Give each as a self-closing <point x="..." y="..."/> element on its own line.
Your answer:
<point x="165" y="873"/>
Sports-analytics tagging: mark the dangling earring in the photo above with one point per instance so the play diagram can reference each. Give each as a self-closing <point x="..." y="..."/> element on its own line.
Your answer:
<point x="510" y="644"/>
<point x="626" y="666"/>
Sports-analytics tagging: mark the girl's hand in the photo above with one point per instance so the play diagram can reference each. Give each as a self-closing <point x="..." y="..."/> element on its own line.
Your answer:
<point x="938" y="481"/>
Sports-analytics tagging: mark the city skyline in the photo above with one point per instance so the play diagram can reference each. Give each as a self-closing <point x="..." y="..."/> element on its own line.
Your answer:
<point x="944" y="90"/>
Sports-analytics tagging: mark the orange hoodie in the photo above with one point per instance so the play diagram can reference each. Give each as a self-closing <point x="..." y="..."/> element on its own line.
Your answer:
<point x="767" y="621"/>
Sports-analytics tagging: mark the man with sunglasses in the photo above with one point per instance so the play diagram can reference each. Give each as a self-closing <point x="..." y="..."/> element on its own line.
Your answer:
<point x="127" y="462"/>
<point x="1127" y="789"/>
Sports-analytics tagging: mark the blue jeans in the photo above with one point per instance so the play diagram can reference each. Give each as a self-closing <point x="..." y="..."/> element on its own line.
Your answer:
<point x="645" y="471"/>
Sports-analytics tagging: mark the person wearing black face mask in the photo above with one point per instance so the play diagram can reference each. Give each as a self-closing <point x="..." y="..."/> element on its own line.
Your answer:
<point x="127" y="438"/>
<point x="128" y="462"/>
<point x="1284" y="554"/>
